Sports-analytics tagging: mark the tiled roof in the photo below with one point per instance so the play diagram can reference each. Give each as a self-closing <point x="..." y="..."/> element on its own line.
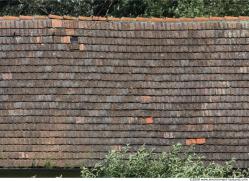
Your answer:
<point x="73" y="88"/>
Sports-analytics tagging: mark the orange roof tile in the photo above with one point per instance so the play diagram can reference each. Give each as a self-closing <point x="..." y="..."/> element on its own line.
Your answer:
<point x="152" y="19"/>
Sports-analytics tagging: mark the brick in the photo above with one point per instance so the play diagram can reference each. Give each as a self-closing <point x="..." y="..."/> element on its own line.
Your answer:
<point x="141" y="19"/>
<point x="185" y="19"/>
<point x="97" y="18"/>
<point x="243" y="18"/>
<point x="146" y="98"/>
<point x="40" y="17"/>
<point x="69" y="18"/>
<point x="70" y="31"/>
<point x="56" y="23"/>
<point x="26" y="17"/>
<point x="200" y="141"/>
<point x="168" y="135"/>
<point x="127" y="19"/>
<point x="65" y="39"/>
<point x="114" y="19"/>
<point x="7" y="76"/>
<point x="51" y="16"/>
<point x="156" y="19"/>
<point x="149" y="120"/>
<point x="117" y="147"/>
<point x="80" y="120"/>
<point x="197" y="141"/>
<point x="10" y="18"/>
<point x="200" y="19"/>
<point x="85" y="18"/>
<point x="216" y="18"/>
<point x="82" y="47"/>
<point x="228" y="18"/>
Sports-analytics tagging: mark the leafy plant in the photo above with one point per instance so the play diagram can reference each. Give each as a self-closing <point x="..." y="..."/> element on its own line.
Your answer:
<point x="130" y="8"/>
<point x="146" y="163"/>
<point x="48" y="164"/>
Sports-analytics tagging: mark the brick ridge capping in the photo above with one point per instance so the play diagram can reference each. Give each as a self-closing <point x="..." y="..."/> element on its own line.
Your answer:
<point x="143" y="19"/>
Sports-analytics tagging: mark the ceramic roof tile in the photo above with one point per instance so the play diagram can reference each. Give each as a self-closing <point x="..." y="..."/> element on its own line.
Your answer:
<point x="72" y="88"/>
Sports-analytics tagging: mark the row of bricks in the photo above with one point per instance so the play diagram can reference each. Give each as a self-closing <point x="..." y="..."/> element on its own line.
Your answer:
<point x="123" y="106"/>
<point x="167" y="130"/>
<point x="238" y="33"/>
<point x="158" y="34"/>
<point x="65" y="163"/>
<point x="124" y="113"/>
<point x="141" y="49"/>
<point x="52" y="155"/>
<point x="154" y="41"/>
<point x="124" y="41"/>
<point x="127" y="77"/>
<point x="115" y="141"/>
<point x="126" y="48"/>
<point x="126" y="91"/>
<point x="104" y="148"/>
<point x="177" y="99"/>
<point x="122" y="55"/>
<point x="124" y="120"/>
<point x="122" y="84"/>
<point x="122" y="63"/>
<point x="124" y="70"/>
<point x="90" y="148"/>
<point x="26" y="163"/>
<point x="137" y="26"/>
<point x="131" y="85"/>
<point x="101" y="155"/>
<point x="127" y="134"/>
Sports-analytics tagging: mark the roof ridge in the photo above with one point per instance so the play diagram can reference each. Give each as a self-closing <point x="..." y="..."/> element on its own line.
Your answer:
<point x="110" y="18"/>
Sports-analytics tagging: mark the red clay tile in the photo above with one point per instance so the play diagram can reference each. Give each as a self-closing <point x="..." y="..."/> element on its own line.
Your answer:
<point x="216" y="18"/>
<point x="243" y="17"/>
<point x="69" y="18"/>
<point x="10" y="18"/>
<point x="65" y="39"/>
<point x="114" y="19"/>
<point x="172" y="19"/>
<point x="146" y="98"/>
<point x="40" y="17"/>
<point x="98" y="18"/>
<point x="88" y="18"/>
<point x="56" y="23"/>
<point x="127" y="19"/>
<point x="231" y="18"/>
<point x="197" y="141"/>
<point x="82" y="47"/>
<point x="200" y="141"/>
<point x="185" y="19"/>
<point x="51" y="16"/>
<point x="149" y="120"/>
<point x="26" y="17"/>
<point x="70" y="31"/>
<point x="201" y="19"/>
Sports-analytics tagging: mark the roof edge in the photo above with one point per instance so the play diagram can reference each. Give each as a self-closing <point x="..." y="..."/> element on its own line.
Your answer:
<point x="152" y="19"/>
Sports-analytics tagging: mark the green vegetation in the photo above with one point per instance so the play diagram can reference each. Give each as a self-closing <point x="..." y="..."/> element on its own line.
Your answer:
<point x="146" y="163"/>
<point x="48" y="164"/>
<point x="126" y="8"/>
